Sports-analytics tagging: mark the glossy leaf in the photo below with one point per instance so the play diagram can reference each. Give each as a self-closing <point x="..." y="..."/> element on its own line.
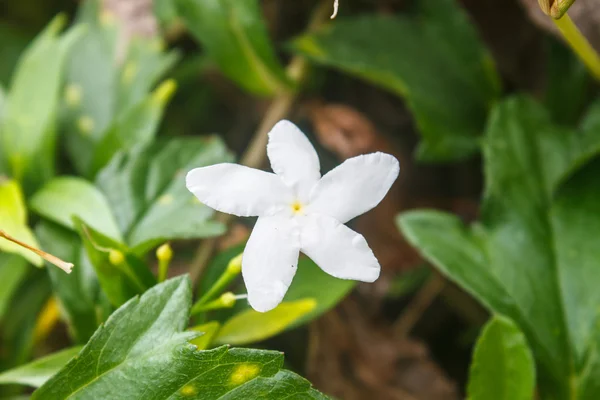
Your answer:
<point x="28" y="139"/>
<point x="234" y="35"/>
<point x="13" y="271"/>
<point x="252" y="326"/>
<point x="63" y="198"/>
<point x="502" y="366"/>
<point x="533" y="257"/>
<point x="142" y="353"/>
<point x="119" y="282"/>
<point x="37" y="372"/>
<point x="434" y="60"/>
<point x="77" y="292"/>
<point x="13" y="220"/>
<point x="146" y="190"/>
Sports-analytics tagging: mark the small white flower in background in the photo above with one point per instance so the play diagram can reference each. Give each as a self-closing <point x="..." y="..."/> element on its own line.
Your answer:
<point x="298" y="210"/>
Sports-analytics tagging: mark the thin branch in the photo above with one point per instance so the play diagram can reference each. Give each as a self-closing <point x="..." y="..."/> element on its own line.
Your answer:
<point x="65" y="266"/>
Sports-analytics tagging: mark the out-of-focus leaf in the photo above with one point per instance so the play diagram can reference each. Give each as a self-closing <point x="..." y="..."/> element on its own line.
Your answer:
<point x="434" y="60"/>
<point x="146" y="189"/>
<point x="502" y="367"/>
<point x="13" y="40"/>
<point x="37" y="372"/>
<point x="311" y="282"/>
<point x="28" y="139"/>
<point x="13" y="270"/>
<point x="63" y="198"/>
<point x="209" y="330"/>
<point x="568" y="84"/>
<point x="145" y="339"/>
<point x="252" y="326"/>
<point x="77" y="290"/>
<point x="138" y="126"/>
<point x="119" y="282"/>
<point x="534" y="256"/>
<point x="234" y="35"/>
<point x="20" y="319"/>
<point x="13" y="220"/>
<point x="165" y="11"/>
<point x="102" y="91"/>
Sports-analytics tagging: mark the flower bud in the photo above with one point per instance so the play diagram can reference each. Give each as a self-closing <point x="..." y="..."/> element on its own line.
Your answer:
<point x="164" y="253"/>
<point x="115" y="257"/>
<point x="235" y="265"/>
<point x="555" y="8"/>
<point x="227" y="299"/>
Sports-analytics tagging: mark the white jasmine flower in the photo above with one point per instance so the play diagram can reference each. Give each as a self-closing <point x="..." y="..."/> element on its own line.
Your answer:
<point x="298" y="210"/>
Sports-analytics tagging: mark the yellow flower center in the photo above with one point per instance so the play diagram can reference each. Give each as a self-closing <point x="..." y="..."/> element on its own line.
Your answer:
<point x="296" y="207"/>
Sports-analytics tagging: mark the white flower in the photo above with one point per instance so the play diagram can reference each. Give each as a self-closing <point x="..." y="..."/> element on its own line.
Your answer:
<point x="298" y="210"/>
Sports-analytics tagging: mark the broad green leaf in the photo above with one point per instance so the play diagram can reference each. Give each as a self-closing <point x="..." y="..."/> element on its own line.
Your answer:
<point x="252" y="326"/>
<point x="28" y="131"/>
<point x="105" y="83"/>
<point x="502" y="366"/>
<point x="119" y="282"/>
<point x="13" y="271"/>
<point x="146" y="190"/>
<point x="284" y="385"/>
<point x="234" y="35"/>
<point x="137" y="126"/>
<point x="209" y="331"/>
<point x="2" y="103"/>
<point x="142" y="353"/>
<point x="533" y="257"/>
<point x="37" y="372"/>
<point x="13" y="221"/>
<point x="77" y="292"/>
<point x="434" y="60"/>
<point x="63" y="198"/>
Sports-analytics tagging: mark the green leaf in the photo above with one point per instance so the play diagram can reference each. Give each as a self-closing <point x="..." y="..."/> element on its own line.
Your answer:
<point x="142" y="353"/>
<point x="137" y="126"/>
<point x="119" y="282"/>
<point x="13" y="39"/>
<point x="434" y="60"/>
<point x="209" y="331"/>
<point x="28" y="131"/>
<point x="13" y="221"/>
<point x="107" y="93"/>
<point x="78" y="291"/>
<point x="37" y="372"/>
<point x="502" y="367"/>
<point x="311" y="282"/>
<point x="234" y="35"/>
<point x="252" y="326"/>
<point x="63" y="198"/>
<point x="13" y="271"/>
<point x="533" y="257"/>
<point x="146" y="189"/>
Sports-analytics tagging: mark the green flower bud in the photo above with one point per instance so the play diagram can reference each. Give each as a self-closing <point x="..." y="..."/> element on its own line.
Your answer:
<point x="164" y="253"/>
<point x="115" y="257"/>
<point x="555" y="8"/>
<point x="227" y="299"/>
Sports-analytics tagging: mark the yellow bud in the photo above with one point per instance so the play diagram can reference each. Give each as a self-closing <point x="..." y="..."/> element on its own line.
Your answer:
<point x="73" y="95"/>
<point x="85" y="125"/>
<point x="235" y="265"/>
<point x="227" y="299"/>
<point x="115" y="257"/>
<point x="164" y="91"/>
<point x="555" y="8"/>
<point x="164" y="253"/>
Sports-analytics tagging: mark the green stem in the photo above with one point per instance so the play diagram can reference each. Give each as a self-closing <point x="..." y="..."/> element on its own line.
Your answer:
<point x="579" y="44"/>
<point x="231" y="272"/>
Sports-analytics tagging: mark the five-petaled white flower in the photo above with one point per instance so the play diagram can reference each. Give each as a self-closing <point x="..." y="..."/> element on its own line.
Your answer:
<point x="298" y="210"/>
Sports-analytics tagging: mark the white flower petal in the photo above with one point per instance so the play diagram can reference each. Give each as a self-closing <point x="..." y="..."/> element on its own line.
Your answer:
<point x="355" y="186"/>
<point x="293" y="157"/>
<point x="239" y="190"/>
<point x="337" y="249"/>
<point x="270" y="260"/>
